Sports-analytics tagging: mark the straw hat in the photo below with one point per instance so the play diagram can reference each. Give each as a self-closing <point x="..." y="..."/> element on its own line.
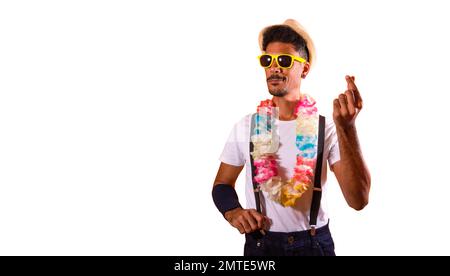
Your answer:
<point x="298" y="29"/>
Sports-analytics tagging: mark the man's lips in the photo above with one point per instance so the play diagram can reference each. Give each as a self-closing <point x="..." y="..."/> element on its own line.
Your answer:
<point x="275" y="80"/>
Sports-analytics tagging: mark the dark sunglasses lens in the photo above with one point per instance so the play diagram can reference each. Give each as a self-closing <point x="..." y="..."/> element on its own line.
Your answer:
<point x="284" y="61"/>
<point x="265" y="60"/>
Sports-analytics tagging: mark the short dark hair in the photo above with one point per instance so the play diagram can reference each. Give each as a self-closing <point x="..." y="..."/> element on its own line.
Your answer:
<point x="282" y="33"/>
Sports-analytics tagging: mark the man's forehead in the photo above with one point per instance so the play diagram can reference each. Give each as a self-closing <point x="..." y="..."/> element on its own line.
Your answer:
<point x="280" y="48"/>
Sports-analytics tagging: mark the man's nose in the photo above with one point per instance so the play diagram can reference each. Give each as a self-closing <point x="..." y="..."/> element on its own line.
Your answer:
<point x="274" y="68"/>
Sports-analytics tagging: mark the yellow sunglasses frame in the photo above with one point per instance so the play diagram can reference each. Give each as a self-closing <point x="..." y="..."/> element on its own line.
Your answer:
<point x="275" y="57"/>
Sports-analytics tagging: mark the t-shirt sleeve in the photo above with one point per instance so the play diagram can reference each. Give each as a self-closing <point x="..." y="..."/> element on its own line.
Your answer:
<point x="334" y="154"/>
<point x="232" y="153"/>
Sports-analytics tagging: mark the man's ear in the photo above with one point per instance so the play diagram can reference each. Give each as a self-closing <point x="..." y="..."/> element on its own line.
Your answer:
<point x="306" y="67"/>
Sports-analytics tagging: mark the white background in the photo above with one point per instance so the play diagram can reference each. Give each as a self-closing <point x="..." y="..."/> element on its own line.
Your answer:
<point x="113" y="115"/>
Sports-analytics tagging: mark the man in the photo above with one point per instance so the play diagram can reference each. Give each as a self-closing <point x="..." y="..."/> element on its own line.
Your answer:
<point x="286" y="173"/>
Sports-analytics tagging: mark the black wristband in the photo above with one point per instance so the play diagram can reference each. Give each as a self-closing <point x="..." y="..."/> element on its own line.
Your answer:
<point x="225" y="198"/>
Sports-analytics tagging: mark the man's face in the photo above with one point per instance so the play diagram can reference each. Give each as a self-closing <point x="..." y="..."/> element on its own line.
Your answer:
<point x="282" y="81"/>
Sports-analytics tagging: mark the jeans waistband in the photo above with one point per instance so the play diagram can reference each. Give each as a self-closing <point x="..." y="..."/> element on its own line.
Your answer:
<point x="286" y="236"/>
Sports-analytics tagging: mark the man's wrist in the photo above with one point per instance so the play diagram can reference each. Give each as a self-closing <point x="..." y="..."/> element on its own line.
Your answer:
<point x="225" y="198"/>
<point x="346" y="129"/>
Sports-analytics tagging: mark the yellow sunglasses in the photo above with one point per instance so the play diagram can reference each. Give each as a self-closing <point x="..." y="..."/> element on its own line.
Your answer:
<point x="283" y="60"/>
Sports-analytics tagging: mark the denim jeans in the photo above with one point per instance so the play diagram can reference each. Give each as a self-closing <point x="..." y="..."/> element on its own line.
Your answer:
<point x="290" y="244"/>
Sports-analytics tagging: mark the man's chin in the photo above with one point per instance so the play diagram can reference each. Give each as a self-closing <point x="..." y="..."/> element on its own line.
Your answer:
<point x="278" y="92"/>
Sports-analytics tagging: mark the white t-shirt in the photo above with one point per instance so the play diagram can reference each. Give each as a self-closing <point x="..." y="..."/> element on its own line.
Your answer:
<point x="283" y="219"/>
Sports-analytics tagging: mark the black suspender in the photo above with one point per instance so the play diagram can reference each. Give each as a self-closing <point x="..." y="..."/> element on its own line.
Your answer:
<point x="255" y="185"/>
<point x="317" y="190"/>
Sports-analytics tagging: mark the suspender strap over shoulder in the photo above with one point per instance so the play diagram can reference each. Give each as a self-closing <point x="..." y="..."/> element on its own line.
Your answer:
<point x="317" y="191"/>
<point x="255" y="185"/>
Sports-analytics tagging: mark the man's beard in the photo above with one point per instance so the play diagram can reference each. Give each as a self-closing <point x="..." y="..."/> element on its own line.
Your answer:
<point x="277" y="92"/>
<point x="280" y="92"/>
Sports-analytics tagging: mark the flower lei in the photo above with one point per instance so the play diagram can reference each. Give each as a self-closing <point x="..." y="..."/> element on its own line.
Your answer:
<point x="266" y="142"/>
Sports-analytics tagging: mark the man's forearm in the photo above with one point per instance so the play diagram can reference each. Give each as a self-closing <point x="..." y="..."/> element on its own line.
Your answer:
<point x="356" y="179"/>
